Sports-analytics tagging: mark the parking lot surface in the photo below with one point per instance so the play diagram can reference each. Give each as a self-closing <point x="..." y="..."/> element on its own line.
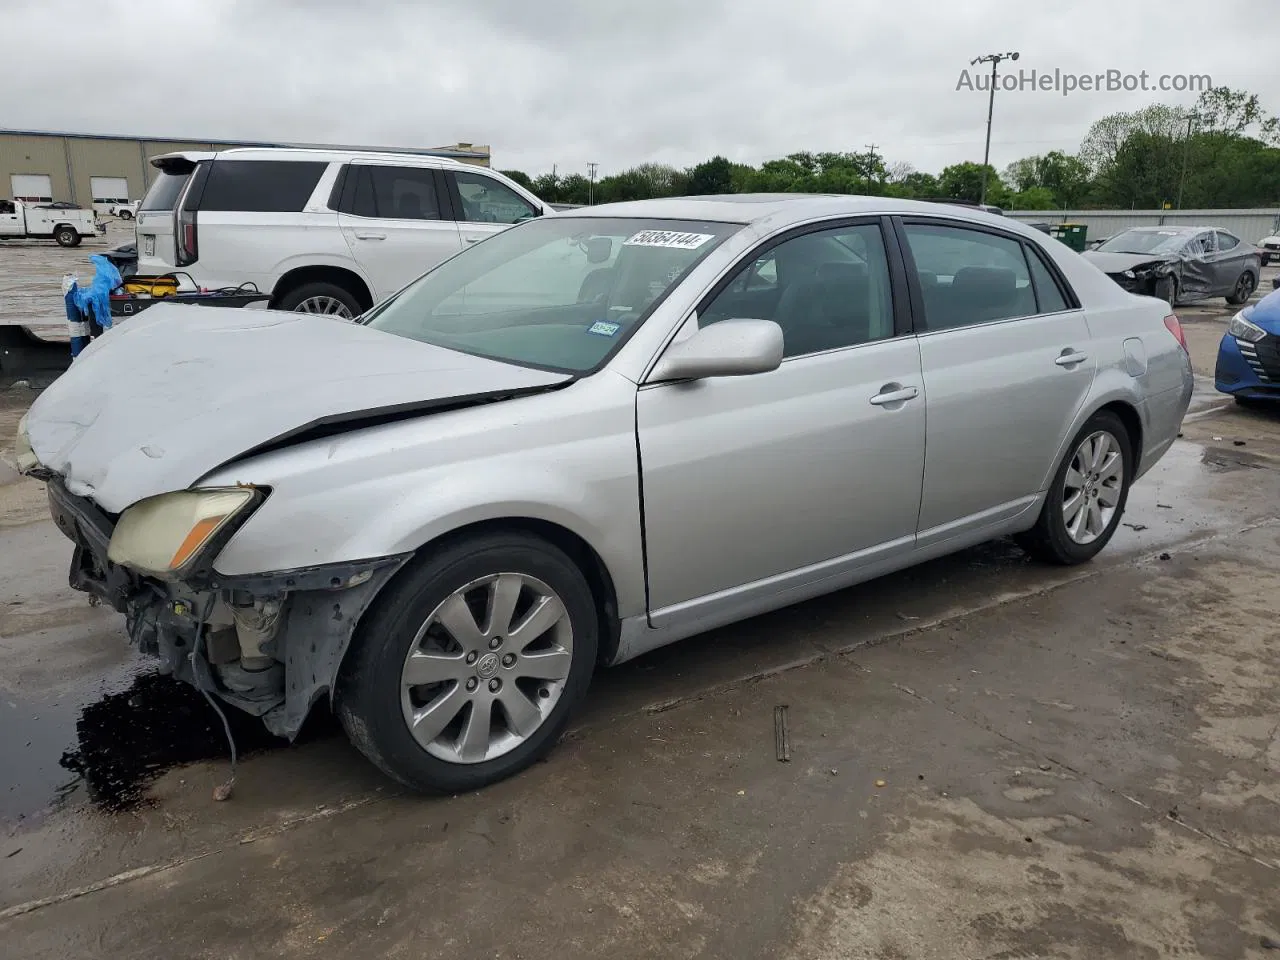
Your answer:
<point x="989" y="758"/>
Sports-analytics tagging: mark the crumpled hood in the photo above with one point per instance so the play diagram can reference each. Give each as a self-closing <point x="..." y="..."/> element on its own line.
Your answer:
<point x="1120" y="262"/>
<point x="175" y="392"/>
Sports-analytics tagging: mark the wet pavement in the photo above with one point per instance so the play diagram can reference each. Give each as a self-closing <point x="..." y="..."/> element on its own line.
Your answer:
<point x="989" y="758"/>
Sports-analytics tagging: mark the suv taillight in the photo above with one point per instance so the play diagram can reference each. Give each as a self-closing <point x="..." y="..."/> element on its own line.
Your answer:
<point x="1175" y="327"/>
<point x="185" y="236"/>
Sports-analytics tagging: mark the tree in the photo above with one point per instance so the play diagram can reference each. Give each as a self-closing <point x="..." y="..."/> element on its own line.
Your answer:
<point x="711" y="177"/>
<point x="1034" y="198"/>
<point x="1223" y="110"/>
<point x="519" y="176"/>
<point x="963" y="181"/>
<point x="1107" y="136"/>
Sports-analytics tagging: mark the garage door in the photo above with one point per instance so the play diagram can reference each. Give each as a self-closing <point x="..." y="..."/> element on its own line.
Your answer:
<point x="109" y="189"/>
<point x="33" y="187"/>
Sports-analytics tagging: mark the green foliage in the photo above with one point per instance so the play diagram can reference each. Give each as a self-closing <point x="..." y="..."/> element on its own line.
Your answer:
<point x="1228" y="145"/>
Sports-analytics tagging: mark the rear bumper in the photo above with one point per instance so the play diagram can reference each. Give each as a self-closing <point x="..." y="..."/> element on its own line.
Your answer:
<point x="320" y="608"/>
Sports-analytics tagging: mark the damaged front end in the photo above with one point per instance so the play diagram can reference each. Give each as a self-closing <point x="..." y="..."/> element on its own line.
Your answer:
<point x="270" y="644"/>
<point x="1146" y="278"/>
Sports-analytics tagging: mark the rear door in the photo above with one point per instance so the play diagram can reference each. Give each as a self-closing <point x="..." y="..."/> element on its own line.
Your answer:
<point x="1199" y="276"/>
<point x="1007" y="364"/>
<point x="484" y="205"/>
<point x="1232" y="259"/>
<point x="154" y="226"/>
<point x="395" y="222"/>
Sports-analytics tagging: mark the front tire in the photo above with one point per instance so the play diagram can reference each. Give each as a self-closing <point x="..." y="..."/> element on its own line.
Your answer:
<point x="324" y="298"/>
<point x="1087" y="496"/>
<point x="468" y="668"/>
<point x="1166" y="289"/>
<point x="125" y="215"/>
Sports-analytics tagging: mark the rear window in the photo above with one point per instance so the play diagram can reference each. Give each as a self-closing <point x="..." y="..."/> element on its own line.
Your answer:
<point x="260" y="186"/>
<point x="164" y="191"/>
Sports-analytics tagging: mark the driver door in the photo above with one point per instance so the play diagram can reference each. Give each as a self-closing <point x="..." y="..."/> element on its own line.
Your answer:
<point x="777" y="486"/>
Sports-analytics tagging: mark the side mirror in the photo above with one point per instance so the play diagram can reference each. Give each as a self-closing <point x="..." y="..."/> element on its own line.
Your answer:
<point x="730" y="348"/>
<point x="599" y="249"/>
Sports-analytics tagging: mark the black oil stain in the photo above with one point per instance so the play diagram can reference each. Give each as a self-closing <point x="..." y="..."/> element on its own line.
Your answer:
<point x="127" y="739"/>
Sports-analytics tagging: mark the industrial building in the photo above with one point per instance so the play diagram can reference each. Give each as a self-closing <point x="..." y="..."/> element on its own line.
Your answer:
<point x="92" y="170"/>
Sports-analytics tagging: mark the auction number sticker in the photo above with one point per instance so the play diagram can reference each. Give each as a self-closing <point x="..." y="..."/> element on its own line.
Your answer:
<point x="668" y="238"/>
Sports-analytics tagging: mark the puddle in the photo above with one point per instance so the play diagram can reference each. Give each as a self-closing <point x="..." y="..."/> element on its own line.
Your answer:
<point x="108" y="752"/>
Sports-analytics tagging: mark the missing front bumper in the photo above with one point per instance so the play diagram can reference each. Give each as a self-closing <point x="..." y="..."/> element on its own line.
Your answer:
<point x="314" y="614"/>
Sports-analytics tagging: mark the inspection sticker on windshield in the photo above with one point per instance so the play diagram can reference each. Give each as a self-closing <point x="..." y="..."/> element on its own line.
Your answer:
<point x="604" y="328"/>
<point x="667" y="238"/>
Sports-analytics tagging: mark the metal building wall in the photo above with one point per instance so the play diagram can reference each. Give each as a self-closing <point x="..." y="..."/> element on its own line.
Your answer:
<point x="1249" y="225"/>
<point x="103" y="158"/>
<point x="39" y="155"/>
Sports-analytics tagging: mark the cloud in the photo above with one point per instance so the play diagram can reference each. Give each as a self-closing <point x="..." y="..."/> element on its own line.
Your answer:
<point x="618" y="83"/>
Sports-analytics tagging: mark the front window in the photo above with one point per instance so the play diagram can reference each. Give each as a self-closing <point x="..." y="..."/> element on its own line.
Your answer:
<point x="559" y="293"/>
<point x="1145" y="241"/>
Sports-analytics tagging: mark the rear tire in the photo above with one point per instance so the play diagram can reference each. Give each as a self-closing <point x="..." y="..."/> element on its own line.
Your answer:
<point x="66" y="237"/>
<point x="1053" y="539"/>
<point x="525" y="695"/>
<point x="324" y="298"/>
<point x="1243" y="290"/>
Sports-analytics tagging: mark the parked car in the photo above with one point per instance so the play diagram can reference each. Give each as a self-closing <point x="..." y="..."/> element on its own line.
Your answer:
<point x="1269" y="248"/>
<point x="590" y="436"/>
<point x="1180" y="264"/>
<point x="321" y="231"/>
<point x="46" y="221"/>
<point x="1248" y="366"/>
<point x="125" y="211"/>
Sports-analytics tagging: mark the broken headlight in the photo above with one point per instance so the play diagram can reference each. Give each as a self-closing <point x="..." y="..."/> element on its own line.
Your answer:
<point x="22" y="448"/>
<point x="1242" y="329"/>
<point x="165" y="535"/>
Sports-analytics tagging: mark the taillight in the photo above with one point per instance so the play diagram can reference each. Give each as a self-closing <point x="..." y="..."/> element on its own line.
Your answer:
<point x="187" y="248"/>
<point x="1175" y="327"/>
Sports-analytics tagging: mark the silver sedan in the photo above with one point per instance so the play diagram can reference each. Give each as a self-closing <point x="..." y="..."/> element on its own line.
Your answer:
<point x="588" y="436"/>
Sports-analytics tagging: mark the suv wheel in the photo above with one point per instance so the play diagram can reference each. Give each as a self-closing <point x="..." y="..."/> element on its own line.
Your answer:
<point x="466" y="671"/>
<point x="1087" y="497"/>
<point x="125" y="214"/>
<point x="324" y="298"/>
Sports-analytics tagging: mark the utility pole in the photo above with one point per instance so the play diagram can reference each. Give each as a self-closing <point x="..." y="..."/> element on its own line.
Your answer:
<point x="591" y="183"/>
<point x="1186" y="151"/>
<point x="871" y="150"/>
<point x="993" y="59"/>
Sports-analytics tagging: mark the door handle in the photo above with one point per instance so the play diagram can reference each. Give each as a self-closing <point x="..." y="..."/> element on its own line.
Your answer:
<point x="473" y="239"/>
<point x="1071" y="358"/>
<point x="895" y="396"/>
<point x="371" y="236"/>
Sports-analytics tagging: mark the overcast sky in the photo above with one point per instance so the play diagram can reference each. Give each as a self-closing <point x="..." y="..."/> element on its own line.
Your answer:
<point x="617" y="82"/>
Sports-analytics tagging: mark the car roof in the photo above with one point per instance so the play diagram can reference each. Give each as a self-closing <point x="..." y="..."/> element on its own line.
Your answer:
<point x="779" y="208"/>
<point x="311" y="153"/>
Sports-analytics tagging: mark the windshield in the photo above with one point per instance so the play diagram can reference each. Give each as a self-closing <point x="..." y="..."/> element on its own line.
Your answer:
<point x="559" y="293"/>
<point x="1146" y="241"/>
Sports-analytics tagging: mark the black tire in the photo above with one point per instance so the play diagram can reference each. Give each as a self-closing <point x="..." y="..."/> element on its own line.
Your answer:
<point x="125" y="215"/>
<point x="368" y="694"/>
<point x="66" y="236"/>
<point x="1049" y="540"/>
<point x="1166" y="289"/>
<point x="1265" y="259"/>
<point x="295" y="298"/>
<point x="1244" y="289"/>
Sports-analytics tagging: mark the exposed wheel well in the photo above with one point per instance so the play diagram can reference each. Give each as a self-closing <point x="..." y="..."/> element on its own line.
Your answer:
<point x="577" y="549"/>
<point x="322" y="274"/>
<point x="1132" y="423"/>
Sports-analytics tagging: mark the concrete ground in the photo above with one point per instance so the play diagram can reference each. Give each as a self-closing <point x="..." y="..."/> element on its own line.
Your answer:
<point x="989" y="758"/>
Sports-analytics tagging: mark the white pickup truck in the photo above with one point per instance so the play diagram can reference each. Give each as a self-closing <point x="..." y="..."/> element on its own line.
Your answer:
<point x="44" y="221"/>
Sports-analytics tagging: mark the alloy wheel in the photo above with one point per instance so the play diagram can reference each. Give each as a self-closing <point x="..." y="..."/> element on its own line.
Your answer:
<point x="486" y="668"/>
<point x="1093" y="486"/>
<point x="328" y="306"/>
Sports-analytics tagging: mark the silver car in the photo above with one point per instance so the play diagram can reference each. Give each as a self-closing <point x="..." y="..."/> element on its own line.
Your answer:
<point x="588" y="436"/>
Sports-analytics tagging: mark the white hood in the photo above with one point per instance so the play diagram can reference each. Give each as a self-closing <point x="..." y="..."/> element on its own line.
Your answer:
<point x="175" y="392"/>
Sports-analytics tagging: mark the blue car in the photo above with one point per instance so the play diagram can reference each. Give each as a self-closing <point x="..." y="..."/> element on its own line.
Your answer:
<point x="1249" y="356"/>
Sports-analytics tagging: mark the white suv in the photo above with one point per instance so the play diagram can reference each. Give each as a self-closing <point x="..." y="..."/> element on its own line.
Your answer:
<point x="322" y="231"/>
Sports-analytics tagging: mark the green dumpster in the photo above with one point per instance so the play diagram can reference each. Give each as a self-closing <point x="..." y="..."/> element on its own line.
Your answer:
<point x="1074" y="235"/>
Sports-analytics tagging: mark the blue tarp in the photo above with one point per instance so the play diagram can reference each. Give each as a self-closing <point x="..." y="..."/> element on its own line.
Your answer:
<point x="91" y="303"/>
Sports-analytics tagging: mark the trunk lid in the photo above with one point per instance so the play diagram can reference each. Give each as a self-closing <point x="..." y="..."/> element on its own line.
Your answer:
<point x="170" y="395"/>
